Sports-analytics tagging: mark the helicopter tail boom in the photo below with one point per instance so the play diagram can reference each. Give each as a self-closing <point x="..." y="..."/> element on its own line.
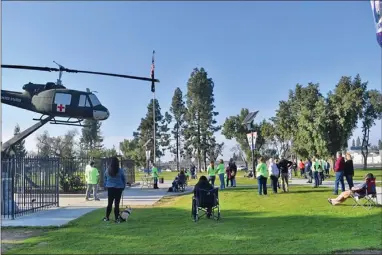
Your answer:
<point x="16" y="99"/>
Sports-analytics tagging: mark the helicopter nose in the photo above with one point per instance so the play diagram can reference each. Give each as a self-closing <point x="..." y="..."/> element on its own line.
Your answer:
<point x="101" y="114"/>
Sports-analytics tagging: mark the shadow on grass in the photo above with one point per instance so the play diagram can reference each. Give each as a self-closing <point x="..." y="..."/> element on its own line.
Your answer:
<point x="162" y="230"/>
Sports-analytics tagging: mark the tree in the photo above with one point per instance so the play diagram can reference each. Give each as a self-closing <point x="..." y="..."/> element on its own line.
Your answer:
<point x="215" y="150"/>
<point x="178" y="111"/>
<point x="233" y="128"/>
<point x="130" y="150"/>
<point x="91" y="139"/>
<point x="60" y="146"/>
<point x="372" y="111"/>
<point x="353" y="143"/>
<point x="344" y="106"/>
<point x="358" y="144"/>
<point x="19" y="148"/>
<point x="200" y="117"/>
<point x="145" y="131"/>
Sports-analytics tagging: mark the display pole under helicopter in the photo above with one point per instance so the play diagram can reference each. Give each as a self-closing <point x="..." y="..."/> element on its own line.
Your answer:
<point x="153" y="90"/>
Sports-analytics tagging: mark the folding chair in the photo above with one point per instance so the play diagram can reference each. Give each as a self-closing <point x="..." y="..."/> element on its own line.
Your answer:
<point x="370" y="196"/>
<point x="203" y="200"/>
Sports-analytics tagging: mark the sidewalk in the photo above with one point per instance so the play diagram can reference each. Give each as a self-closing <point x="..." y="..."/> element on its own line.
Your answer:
<point x="75" y="206"/>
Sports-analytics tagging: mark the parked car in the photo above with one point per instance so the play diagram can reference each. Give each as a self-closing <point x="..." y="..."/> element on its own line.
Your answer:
<point x="242" y="168"/>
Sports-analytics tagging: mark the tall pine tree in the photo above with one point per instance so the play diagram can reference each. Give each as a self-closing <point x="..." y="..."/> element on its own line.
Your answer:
<point x="91" y="138"/>
<point x="19" y="148"/>
<point x="145" y="131"/>
<point x="200" y="117"/>
<point x="178" y="111"/>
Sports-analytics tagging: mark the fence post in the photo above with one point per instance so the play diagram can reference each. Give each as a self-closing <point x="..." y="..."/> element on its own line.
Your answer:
<point x="57" y="171"/>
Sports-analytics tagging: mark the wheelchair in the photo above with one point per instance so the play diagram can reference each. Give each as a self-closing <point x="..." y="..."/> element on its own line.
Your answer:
<point x="180" y="186"/>
<point x="203" y="200"/>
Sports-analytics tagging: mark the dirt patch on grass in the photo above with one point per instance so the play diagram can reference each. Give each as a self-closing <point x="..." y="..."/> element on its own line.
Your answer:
<point x="367" y="252"/>
<point x="15" y="236"/>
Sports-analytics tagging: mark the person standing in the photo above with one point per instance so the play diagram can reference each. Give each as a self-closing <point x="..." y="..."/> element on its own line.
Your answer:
<point x="284" y="166"/>
<point x="339" y="167"/>
<point x="227" y="176"/>
<point x="327" y="168"/>
<point x="274" y="173"/>
<point x="221" y="171"/>
<point x="261" y="175"/>
<point x="315" y="168"/>
<point x="349" y="170"/>
<point x="155" y="175"/>
<point x="321" y="168"/>
<point x="211" y="171"/>
<point x="308" y="170"/>
<point x="301" y="165"/>
<point x="91" y="178"/>
<point x="115" y="182"/>
<point x="233" y="168"/>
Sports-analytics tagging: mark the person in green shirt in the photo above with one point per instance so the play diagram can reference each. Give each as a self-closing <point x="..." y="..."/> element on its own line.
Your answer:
<point x="316" y="165"/>
<point x="91" y="178"/>
<point x="155" y="175"/>
<point x="211" y="171"/>
<point x="221" y="173"/>
<point x="262" y="176"/>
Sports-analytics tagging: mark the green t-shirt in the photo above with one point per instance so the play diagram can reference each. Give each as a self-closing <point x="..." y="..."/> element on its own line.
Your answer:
<point x="315" y="166"/>
<point x="261" y="170"/>
<point x="211" y="171"/>
<point x="154" y="172"/>
<point x="221" y="169"/>
<point x="91" y="175"/>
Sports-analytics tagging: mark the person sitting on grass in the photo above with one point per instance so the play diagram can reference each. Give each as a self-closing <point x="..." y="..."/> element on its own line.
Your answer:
<point x="203" y="184"/>
<point x="359" y="190"/>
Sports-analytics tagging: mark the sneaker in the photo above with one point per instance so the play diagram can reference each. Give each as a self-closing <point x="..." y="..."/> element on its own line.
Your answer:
<point x="86" y="199"/>
<point x="97" y="199"/>
<point x="105" y="219"/>
<point x="118" y="220"/>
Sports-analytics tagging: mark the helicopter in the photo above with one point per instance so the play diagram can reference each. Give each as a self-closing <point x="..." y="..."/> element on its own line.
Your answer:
<point x="54" y="99"/>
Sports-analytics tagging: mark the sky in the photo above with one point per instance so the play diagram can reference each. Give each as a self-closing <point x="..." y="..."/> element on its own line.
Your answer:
<point x="254" y="52"/>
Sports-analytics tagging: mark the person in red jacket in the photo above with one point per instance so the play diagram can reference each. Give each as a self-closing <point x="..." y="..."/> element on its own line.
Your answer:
<point x="339" y="168"/>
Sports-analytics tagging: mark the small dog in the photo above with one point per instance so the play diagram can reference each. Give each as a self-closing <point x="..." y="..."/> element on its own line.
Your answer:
<point x="125" y="214"/>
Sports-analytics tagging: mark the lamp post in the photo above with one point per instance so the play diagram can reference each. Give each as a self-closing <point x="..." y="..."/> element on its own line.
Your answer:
<point x="248" y="121"/>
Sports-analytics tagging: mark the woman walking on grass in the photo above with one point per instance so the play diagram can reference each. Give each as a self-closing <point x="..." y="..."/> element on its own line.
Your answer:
<point x="115" y="182"/>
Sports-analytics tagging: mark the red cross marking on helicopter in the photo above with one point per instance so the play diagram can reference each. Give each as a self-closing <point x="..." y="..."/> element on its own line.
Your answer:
<point x="60" y="108"/>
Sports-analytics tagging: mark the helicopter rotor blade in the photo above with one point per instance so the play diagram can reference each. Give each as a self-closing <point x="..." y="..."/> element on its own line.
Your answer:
<point x="110" y="74"/>
<point x="36" y="68"/>
<point x="63" y="69"/>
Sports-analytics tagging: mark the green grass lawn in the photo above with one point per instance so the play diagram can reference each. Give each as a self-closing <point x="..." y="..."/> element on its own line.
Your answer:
<point x="301" y="221"/>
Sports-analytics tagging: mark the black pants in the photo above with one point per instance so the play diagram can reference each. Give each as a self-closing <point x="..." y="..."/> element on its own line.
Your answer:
<point x="113" y="195"/>
<point x="212" y="180"/>
<point x="274" y="180"/>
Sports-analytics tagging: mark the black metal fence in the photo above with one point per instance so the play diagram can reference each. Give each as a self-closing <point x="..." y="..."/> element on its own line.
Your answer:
<point x="72" y="173"/>
<point x="32" y="184"/>
<point x="28" y="185"/>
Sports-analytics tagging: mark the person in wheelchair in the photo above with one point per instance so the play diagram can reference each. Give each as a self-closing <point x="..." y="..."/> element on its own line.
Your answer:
<point x="203" y="184"/>
<point x="179" y="181"/>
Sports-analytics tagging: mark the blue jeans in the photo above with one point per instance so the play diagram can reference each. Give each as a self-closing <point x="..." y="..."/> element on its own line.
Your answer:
<point x="316" y="179"/>
<point x="339" y="179"/>
<point x="222" y="184"/>
<point x="262" y="184"/>
<point x="349" y="180"/>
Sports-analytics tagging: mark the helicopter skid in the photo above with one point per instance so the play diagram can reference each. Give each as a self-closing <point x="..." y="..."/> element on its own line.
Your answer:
<point x="68" y="122"/>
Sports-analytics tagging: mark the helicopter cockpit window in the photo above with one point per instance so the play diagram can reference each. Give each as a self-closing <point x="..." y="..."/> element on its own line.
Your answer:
<point x="94" y="100"/>
<point x="84" y="101"/>
<point x="62" y="98"/>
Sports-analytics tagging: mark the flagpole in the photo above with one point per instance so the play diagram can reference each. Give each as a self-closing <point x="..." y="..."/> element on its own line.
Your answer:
<point x="154" y="122"/>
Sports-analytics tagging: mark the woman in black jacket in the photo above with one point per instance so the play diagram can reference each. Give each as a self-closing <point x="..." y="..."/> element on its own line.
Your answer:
<point x="349" y="170"/>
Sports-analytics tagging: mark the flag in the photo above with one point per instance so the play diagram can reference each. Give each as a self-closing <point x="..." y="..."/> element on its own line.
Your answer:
<point x="376" y="7"/>
<point x="152" y="75"/>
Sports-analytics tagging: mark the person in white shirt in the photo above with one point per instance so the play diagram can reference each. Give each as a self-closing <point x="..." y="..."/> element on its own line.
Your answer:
<point x="274" y="174"/>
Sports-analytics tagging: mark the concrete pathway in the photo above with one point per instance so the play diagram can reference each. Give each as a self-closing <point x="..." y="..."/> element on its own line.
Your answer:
<point x="75" y="206"/>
